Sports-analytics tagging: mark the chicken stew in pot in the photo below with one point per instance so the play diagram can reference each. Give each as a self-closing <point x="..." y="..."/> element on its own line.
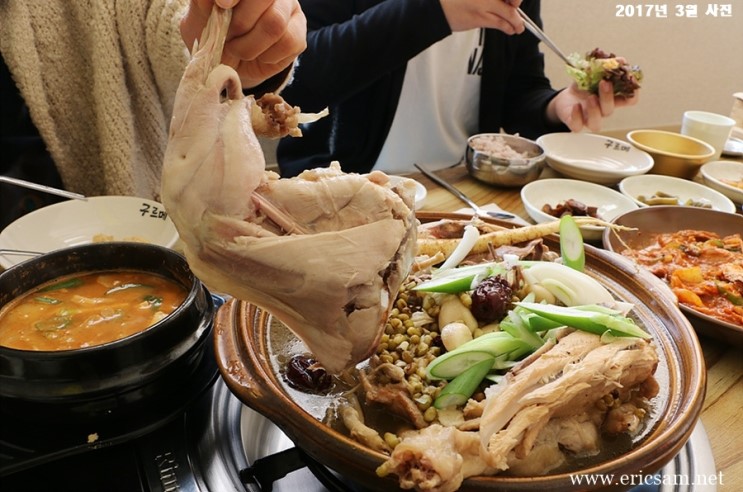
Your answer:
<point x="550" y="398"/>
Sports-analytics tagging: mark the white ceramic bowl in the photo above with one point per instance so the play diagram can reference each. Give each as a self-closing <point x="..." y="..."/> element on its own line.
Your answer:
<point x="420" y="190"/>
<point x="610" y="203"/>
<point x="76" y="222"/>
<point x="595" y="158"/>
<point x="718" y="175"/>
<point x="650" y="184"/>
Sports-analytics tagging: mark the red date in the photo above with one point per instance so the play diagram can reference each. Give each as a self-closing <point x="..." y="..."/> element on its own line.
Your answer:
<point x="305" y="374"/>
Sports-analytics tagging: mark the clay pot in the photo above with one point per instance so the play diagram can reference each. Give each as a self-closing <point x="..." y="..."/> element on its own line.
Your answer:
<point x="250" y="350"/>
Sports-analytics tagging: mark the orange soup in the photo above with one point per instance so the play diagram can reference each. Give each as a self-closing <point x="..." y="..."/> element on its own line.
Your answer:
<point x="86" y="310"/>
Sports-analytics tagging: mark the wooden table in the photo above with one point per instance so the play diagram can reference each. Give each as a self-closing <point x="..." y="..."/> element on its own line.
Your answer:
<point x="722" y="414"/>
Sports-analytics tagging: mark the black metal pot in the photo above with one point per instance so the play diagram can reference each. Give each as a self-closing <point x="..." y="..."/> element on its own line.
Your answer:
<point x="116" y="380"/>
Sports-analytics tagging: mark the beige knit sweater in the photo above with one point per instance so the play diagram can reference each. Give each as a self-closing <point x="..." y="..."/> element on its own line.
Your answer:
<point x="99" y="78"/>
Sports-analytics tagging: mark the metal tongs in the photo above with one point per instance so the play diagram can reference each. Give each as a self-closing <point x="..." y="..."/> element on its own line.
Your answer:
<point x="533" y="28"/>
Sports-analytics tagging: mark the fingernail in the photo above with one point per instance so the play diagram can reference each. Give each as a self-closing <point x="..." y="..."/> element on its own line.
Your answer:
<point x="226" y="4"/>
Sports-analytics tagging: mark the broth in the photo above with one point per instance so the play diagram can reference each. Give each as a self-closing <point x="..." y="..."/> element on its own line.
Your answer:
<point x="86" y="310"/>
<point x="283" y="344"/>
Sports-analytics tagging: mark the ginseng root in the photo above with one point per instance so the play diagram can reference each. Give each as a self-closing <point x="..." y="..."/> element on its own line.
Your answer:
<point x="431" y="246"/>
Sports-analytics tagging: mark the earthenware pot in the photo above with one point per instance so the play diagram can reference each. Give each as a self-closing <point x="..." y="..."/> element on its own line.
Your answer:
<point x="252" y="348"/>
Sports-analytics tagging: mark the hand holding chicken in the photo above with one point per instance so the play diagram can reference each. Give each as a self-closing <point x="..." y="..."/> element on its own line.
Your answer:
<point x="263" y="40"/>
<point x="324" y="252"/>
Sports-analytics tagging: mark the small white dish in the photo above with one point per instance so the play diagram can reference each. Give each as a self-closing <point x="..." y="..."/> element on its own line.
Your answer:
<point x="733" y="147"/>
<point x="720" y="176"/>
<point x="595" y="158"/>
<point x="609" y="203"/>
<point x="420" y="190"/>
<point x="650" y="184"/>
<point x="75" y="222"/>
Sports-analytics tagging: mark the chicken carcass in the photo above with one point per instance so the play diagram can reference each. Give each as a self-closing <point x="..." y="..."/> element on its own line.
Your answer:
<point x="545" y="409"/>
<point x="324" y="252"/>
<point x="436" y="459"/>
<point x="566" y="380"/>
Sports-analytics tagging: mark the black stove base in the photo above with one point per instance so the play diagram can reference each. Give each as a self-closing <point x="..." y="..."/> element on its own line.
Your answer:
<point x="114" y="469"/>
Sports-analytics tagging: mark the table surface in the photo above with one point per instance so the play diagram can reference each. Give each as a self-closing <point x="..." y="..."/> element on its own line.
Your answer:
<point x="722" y="414"/>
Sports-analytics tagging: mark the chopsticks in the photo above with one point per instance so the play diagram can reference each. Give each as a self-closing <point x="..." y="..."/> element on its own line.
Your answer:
<point x="533" y="28"/>
<point x="38" y="187"/>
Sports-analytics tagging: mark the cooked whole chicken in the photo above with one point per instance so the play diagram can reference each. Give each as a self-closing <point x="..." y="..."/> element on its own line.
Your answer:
<point x="324" y="252"/>
<point x="545" y="408"/>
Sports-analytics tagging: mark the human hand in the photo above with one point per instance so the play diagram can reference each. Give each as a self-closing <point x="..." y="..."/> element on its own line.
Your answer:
<point x="264" y="38"/>
<point x="580" y="109"/>
<point x="464" y="15"/>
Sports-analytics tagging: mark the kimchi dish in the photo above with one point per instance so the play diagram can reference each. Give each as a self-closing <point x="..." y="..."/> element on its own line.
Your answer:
<point x="703" y="269"/>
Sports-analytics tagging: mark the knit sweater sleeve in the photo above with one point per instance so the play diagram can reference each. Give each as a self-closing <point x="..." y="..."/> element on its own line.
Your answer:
<point x="167" y="53"/>
<point x="99" y="79"/>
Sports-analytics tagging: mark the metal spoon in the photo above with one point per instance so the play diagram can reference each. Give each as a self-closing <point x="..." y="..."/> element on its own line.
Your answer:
<point x="38" y="187"/>
<point x="449" y="187"/>
<point x="20" y="252"/>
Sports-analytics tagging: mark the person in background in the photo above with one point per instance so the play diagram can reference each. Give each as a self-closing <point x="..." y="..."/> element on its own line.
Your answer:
<point x="407" y="81"/>
<point x="87" y="86"/>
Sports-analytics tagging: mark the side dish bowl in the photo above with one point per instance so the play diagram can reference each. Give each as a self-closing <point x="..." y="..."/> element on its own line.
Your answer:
<point x="250" y="346"/>
<point x="420" y="190"/>
<point x="725" y="177"/>
<point x="96" y="219"/>
<point x="674" y="154"/>
<point x="683" y="190"/>
<point x="648" y="222"/>
<point x="594" y="158"/>
<point x="552" y="192"/>
<point x="503" y="168"/>
<point x="103" y="384"/>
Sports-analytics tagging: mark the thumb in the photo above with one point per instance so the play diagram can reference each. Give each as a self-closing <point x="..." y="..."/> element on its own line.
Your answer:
<point x="226" y="4"/>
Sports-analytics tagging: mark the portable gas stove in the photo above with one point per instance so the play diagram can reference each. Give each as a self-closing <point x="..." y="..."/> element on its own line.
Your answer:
<point x="214" y="444"/>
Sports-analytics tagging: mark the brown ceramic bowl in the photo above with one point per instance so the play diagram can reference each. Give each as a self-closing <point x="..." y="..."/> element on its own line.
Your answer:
<point x="251" y="346"/>
<point x="674" y="154"/>
<point x="650" y="221"/>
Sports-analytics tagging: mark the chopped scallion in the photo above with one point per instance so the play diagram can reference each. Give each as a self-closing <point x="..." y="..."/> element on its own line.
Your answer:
<point x="592" y="320"/>
<point x="64" y="284"/>
<point x="461" y="388"/>
<point x="571" y="244"/>
<point x="47" y="300"/>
